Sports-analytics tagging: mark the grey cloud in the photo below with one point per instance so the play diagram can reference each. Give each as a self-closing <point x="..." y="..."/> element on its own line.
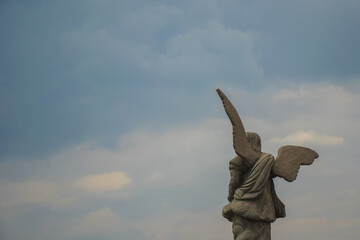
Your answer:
<point x="302" y="39"/>
<point x="179" y="173"/>
<point x="73" y="71"/>
<point x="76" y="75"/>
<point x="94" y="87"/>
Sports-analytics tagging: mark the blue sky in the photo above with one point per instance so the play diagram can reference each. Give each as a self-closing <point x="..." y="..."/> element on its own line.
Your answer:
<point x="111" y="127"/>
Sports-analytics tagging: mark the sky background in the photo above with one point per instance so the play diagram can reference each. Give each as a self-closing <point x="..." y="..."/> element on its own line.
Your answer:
<point x="110" y="126"/>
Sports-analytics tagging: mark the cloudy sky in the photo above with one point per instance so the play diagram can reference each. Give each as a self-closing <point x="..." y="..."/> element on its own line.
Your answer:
<point x="110" y="126"/>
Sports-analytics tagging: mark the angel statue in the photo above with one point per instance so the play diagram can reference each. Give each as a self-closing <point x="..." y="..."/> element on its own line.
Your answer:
<point x="254" y="204"/>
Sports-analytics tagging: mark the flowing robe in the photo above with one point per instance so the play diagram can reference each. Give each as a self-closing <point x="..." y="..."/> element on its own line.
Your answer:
<point x="254" y="204"/>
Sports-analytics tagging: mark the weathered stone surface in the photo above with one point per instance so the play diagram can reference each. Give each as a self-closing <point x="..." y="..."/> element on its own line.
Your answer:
<point x="253" y="203"/>
<point x="290" y="158"/>
<point x="240" y="143"/>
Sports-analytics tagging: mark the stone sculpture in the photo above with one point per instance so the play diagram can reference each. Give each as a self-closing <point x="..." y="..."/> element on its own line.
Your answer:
<point x="254" y="204"/>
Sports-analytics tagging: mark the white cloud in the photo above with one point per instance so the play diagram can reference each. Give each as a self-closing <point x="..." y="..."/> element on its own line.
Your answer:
<point x="101" y="221"/>
<point x="169" y="225"/>
<point x="325" y="99"/>
<point x="194" y="49"/>
<point x="33" y="192"/>
<point x="172" y="156"/>
<point x="184" y="156"/>
<point x="208" y="225"/>
<point x="326" y="114"/>
<point x="104" y="182"/>
<point x="316" y="228"/>
<point x="309" y="137"/>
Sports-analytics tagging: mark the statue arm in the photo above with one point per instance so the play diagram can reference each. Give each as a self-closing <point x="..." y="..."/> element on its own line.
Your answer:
<point x="236" y="167"/>
<point x="233" y="184"/>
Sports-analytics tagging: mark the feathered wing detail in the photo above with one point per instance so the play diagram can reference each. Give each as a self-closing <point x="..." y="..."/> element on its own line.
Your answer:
<point x="240" y="143"/>
<point x="289" y="159"/>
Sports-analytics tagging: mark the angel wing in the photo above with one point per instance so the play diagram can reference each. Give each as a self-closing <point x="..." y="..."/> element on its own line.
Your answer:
<point x="289" y="159"/>
<point x="240" y="143"/>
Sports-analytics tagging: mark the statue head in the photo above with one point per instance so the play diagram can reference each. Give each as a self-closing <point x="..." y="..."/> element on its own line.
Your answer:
<point x="254" y="141"/>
